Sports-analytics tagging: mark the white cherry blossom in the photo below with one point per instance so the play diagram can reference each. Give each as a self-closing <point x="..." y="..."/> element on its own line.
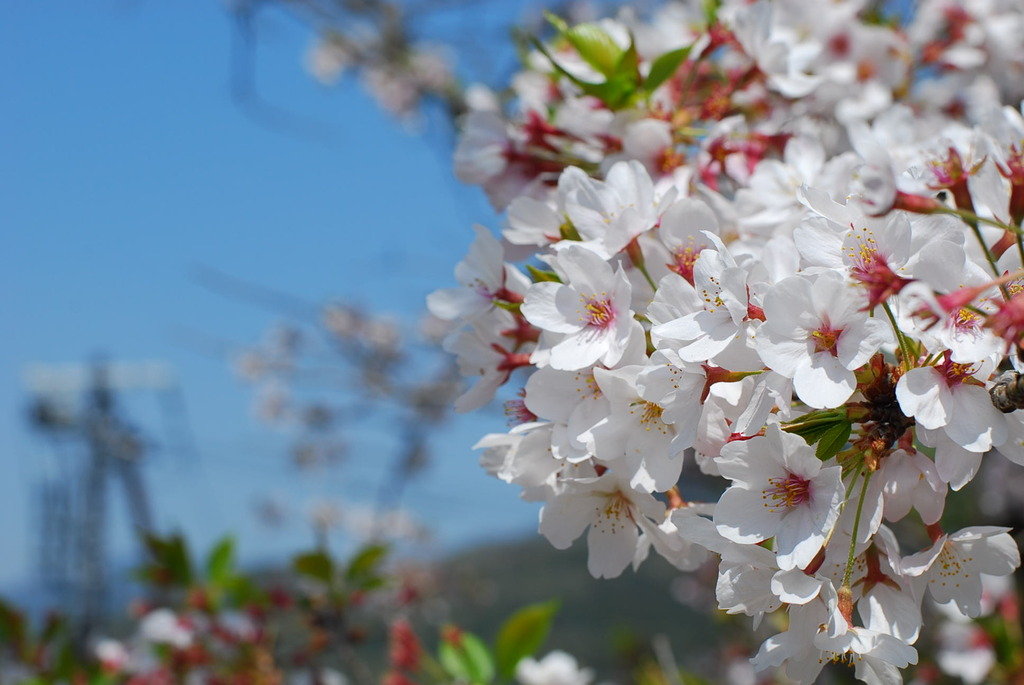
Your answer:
<point x="948" y="397"/>
<point x="588" y="315"/>
<point x="484" y="277"/>
<point x="952" y="567"/>
<point x="721" y="330"/>
<point x="609" y="214"/>
<point x="613" y="512"/>
<point x="816" y="333"/>
<point x="779" y="490"/>
<point x="652" y="418"/>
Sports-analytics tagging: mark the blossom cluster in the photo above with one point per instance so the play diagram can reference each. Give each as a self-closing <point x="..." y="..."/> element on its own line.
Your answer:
<point x="781" y="242"/>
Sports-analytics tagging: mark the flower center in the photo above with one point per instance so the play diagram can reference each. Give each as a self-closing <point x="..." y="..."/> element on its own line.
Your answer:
<point x="965" y="320"/>
<point x="586" y="385"/>
<point x="649" y="415"/>
<point x="516" y="412"/>
<point x="825" y="339"/>
<point x="957" y="374"/>
<point x="615" y="513"/>
<point x="668" y="160"/>
<point x="598" y="312"/>
<point x="843" y="658"/>
<point x="950" y="565"/>
<point x="712" y="299"/>
<point x="785" y="493"/>
<point x="685" y="257"/>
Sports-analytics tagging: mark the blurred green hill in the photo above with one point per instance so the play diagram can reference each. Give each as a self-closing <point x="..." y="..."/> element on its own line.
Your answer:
<point x="608" y="624"/>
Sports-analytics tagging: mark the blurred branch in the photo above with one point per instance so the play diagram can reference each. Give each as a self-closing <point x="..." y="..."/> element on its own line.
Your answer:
<point x="245" y="93"/>
<point x="254" y="293"/>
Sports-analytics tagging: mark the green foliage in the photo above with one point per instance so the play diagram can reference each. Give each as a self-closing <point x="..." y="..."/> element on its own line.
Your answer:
<point x="362" y="574"/>
<point x="364" y="571"/>
<point x="466" y="658"/>
<point x="665" y="66"/>
<point x="220" y="564"/>
<point x="833" y="440"/>
<point x="711" y="8"/>
<point x="317" y="565"/>
<point x="623" y="84"/>
<point x="592" y="43"/>
<point x="169" y="563"/>
<point x="829" y="430"/>
<point x="463" y="657"/>
<point x="12" y="625"/>
<point x="522" y="635"/>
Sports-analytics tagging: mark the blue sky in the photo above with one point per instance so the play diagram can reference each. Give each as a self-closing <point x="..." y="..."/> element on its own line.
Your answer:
<point x="125" y="165"/>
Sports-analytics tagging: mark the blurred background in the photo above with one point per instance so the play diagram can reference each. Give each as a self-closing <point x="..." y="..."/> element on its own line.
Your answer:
<point x="186" y="187"/>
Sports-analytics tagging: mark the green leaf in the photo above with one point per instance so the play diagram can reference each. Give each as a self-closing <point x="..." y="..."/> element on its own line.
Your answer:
<point x="556" y="21"/>
<point x="453" y="662"/>
<point x="814" y="426"/>
<point x="628" y="65"/>
<point x="479" y="656"/>
<point x="102" y="679"/>
<point x="220" y="565"/>
<point x="469" y="660"/>
<point x="52" y="629"/>
<point x="623" y="85"/>
<point x="609" y="92"/>
<point x="833" y="440"/>
<point x="12" y="625"/>
<point x="244" y="591"/>
<point x="318" y="565"/>
<point x="596" y="47"/>
<point x="522" y="635"/>
<point x="559" y="68"/>
<point x="364" y="569"/>
<point x="539" y="276"/>
<point x="711" y="8"/>
<point x="365" y="563"/>
<point x="664" y="67"/>
<point x="813" y="434"/>
<point x="170" y="560"/>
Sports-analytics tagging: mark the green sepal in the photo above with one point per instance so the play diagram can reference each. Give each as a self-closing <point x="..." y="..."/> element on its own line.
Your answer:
<point x="540" y="276"/>
<point x="568" y="232"/>
<point x="514" y="307"/>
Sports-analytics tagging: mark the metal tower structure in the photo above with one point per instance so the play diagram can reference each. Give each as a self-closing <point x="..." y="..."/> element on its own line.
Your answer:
<point x="75" y="408"/>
